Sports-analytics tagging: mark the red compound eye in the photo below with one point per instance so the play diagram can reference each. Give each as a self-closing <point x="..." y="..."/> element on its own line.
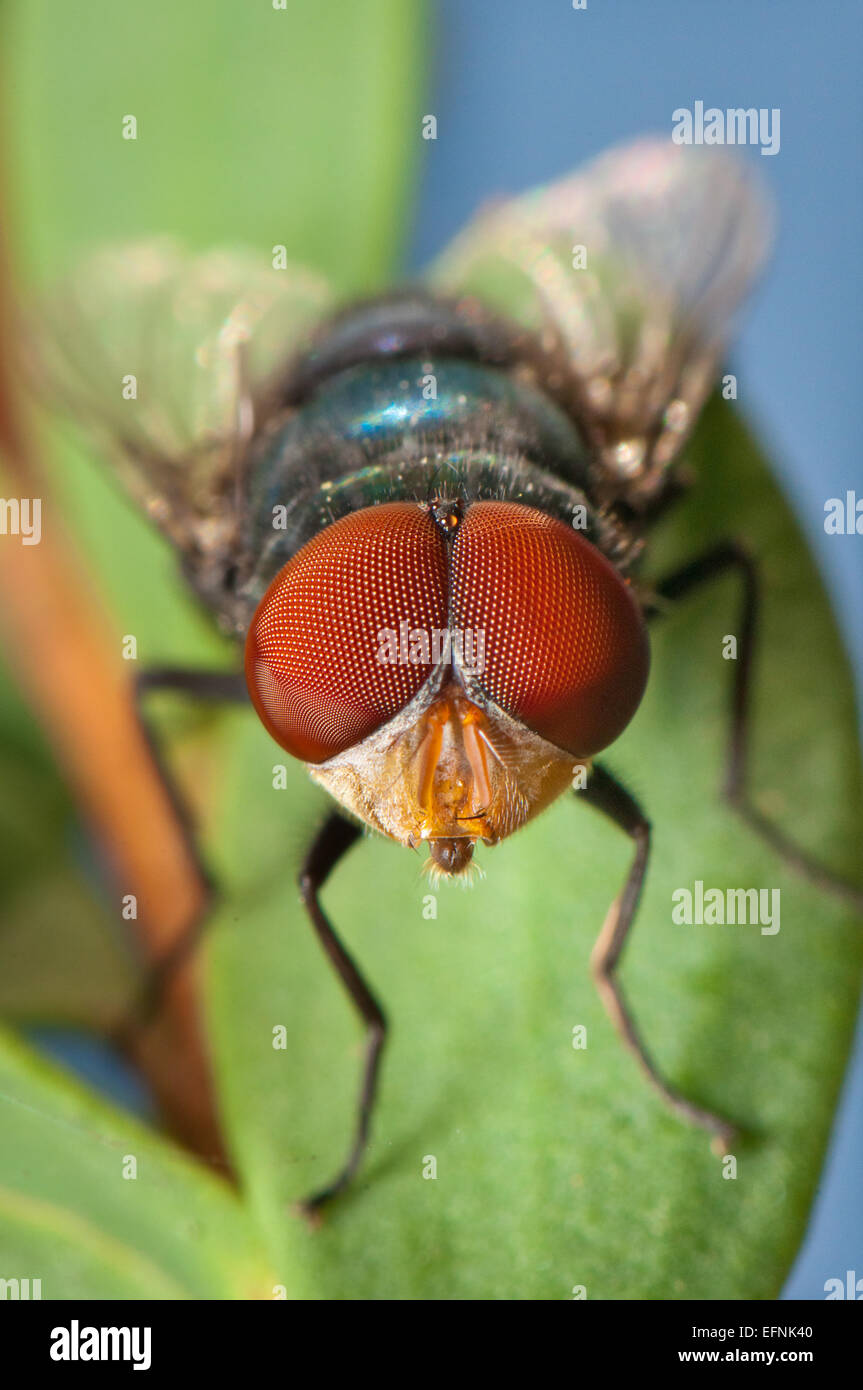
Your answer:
<point x="312" y="654"/>
<point x="565" y="643"/>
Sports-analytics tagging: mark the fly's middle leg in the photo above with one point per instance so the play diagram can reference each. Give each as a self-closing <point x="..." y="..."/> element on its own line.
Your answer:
<point x="608" y="795"/>
<point x="730" y="556"/>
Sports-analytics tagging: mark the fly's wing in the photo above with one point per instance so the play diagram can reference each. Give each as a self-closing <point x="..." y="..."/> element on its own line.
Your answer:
<point x="165" y="359"/>
<point x="629" y="272"/>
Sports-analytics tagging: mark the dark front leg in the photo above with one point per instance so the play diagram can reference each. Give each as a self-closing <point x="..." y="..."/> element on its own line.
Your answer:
<point x="722" y="558"/>
<point x="229" y="686"/>
<point x="334" y="839"/>
<point x="609" y="796"/>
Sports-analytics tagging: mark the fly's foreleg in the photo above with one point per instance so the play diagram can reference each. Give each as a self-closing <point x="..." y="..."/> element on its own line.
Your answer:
<point x="334" y="839"/>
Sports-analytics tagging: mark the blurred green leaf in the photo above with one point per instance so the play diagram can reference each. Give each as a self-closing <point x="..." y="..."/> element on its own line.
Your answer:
<point x="77" y="1215"/>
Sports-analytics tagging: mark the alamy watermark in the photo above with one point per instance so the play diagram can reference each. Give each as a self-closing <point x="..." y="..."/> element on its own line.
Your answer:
<point x="735" y="126"/>
<point x="848" y="1288"/>
<point x="421" y="646"/>
<point x="17" y="1289"/>
<point x="21" y="516"/>
<point x="843" y="516"/>
<point x="700" y="906"/>
<point x="77" y="1343"/>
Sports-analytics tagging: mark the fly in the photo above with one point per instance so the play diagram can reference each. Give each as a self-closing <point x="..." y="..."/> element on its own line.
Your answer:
<point x="423" y="515"/>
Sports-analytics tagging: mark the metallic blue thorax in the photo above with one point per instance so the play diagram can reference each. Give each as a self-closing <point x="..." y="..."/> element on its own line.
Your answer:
<point x="389" y="430"/>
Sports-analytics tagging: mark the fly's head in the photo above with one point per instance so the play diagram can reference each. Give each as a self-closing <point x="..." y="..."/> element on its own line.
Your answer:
<point x="444" y="671"/>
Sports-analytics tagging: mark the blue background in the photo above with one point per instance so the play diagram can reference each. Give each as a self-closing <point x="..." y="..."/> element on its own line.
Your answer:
<point x="523" y="90"/>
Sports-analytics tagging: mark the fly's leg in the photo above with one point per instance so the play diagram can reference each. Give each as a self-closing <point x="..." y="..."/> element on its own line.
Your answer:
<point x="729" y="556"/>
<point x="607" y="795"/>
<point x="201" y="685"/>
<point x="229" y="686"/>
<point x="333" y="840"/>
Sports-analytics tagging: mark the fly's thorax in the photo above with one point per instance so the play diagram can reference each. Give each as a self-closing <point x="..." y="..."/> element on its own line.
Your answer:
<point x="412" y="429"/>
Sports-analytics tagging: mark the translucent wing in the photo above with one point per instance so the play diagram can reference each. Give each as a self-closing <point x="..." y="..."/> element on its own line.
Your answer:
<point x="165" y="359"/>
<point x="630" y="271"/>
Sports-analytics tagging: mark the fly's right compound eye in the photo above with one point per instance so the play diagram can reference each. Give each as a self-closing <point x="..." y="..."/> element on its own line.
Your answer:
<point x="320" y="649"/>
<point x="565" y="643"/>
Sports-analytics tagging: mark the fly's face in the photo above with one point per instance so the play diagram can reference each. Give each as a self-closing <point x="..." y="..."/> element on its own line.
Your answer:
<point x="444" y="668"/>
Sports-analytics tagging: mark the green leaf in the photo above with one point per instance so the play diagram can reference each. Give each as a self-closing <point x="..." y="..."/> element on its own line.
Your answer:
<point x="72" y="1216"/>
<point x="558" y="1167"/>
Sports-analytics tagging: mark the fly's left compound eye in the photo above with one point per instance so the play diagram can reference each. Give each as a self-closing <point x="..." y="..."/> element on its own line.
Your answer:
<point x="318" y="670"/>
<point x="565" y="644"/>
